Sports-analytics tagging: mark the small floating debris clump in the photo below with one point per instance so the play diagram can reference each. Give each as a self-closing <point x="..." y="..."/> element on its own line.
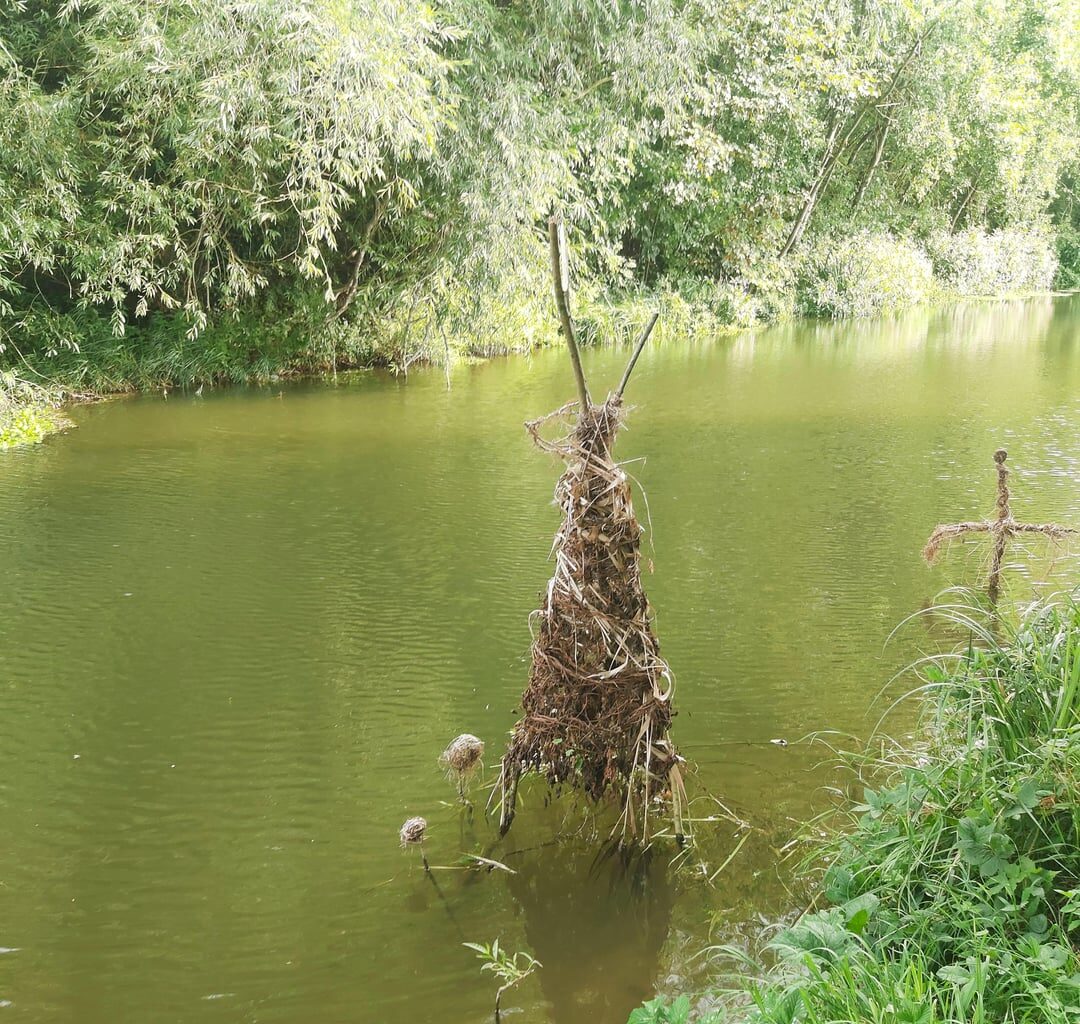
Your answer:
<point x="413" y="833"/>
<point x="462" y="760"/>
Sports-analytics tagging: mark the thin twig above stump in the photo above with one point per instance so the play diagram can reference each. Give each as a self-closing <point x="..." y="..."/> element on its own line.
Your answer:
<point x="560" y="276"/>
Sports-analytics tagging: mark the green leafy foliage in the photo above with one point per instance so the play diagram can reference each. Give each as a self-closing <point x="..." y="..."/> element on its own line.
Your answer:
<point x="196" y="153"/>
<point x="507" y="967"/>
<point x="659" y="1011"/>
<point x="864" y="275"/>
<point x="983" y="846"/>
<point x="510" y="968"/>
<point x="28" y="412"/>
<point x="195" y="190"/>
<point x="974" y="262"/>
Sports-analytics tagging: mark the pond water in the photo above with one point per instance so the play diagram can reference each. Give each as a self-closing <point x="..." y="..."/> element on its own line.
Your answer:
<point x="236" y="631"/>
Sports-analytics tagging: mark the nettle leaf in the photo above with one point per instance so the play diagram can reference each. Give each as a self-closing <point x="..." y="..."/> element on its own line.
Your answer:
<point x="1001" y="849"/>
<point x="858" y="921"/>
<point x="859" y="911"/>
<point x="1026" y="799"/>
<point x="657" y="1011"/>
<point x="1052" y="956"/>
<point x="1038" y="925"/>
<point x="839" y="882"/>
<point x="1070" y="911"/>
<point x="873" y="805"/>
<point x="680" y="1011"/>
<point x="956" y="973"/>
<point x="823" y="935"/>
<point x="973" y="840"/>
<point x="914" y="1013"/>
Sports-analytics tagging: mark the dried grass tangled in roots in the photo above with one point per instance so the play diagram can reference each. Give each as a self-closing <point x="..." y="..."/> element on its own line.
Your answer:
<point x="942" y="535"/>
<point x="1002" y="527"/>
<point x="597" y="707"/>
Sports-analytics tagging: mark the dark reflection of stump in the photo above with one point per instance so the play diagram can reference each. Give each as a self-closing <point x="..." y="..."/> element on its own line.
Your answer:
<point x="598" y="921"/>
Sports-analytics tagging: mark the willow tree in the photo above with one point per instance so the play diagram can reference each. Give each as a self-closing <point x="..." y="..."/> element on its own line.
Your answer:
<point x="183" y="156"/>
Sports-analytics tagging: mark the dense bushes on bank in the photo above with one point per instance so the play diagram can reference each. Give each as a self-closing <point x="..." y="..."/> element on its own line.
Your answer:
<point x="974" y="262"/>
<point x="864" y="275"/>
<point x="366" y="180"/>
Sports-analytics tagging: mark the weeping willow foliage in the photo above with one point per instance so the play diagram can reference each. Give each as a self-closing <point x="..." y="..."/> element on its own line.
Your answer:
<point x="377" y="172"/>
<point x="182" y="157"/>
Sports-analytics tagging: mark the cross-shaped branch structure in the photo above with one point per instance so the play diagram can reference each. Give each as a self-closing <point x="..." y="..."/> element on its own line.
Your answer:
<point x="1000" y="528"/>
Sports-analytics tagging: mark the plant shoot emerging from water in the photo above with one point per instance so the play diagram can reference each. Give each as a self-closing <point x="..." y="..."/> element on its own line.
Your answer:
<point x="510" y="969"/>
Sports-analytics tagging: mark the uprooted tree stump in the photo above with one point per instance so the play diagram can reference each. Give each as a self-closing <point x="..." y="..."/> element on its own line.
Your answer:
<point x="1001" y="529"/>
<point x="597" y="708"/>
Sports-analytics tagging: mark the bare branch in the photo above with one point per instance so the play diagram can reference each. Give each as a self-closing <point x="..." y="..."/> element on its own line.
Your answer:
<point x="561" y="278"/>
<point x="642" y="338"/>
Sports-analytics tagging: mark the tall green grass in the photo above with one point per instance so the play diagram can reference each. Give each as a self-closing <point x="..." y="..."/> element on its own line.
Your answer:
<point x="951" y="892"/>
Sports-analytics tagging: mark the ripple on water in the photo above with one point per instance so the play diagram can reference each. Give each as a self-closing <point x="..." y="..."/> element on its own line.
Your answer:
<point x="236" y="632"/>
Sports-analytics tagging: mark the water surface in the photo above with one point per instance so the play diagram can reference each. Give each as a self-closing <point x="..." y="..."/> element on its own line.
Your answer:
<point x="237" y="630"/>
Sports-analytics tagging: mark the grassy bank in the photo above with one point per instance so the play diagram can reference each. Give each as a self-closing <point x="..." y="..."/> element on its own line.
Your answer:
<point x="952" y="892"/>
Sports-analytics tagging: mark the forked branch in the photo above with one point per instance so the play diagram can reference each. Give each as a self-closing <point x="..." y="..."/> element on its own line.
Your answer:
<point x="642" y="338"/>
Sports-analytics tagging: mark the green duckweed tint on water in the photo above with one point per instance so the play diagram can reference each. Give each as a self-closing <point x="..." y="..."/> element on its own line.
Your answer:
<point x="237" y="631"/>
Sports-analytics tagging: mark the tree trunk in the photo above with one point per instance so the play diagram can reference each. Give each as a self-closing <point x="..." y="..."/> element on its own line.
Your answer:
<point x="868" y="176"/>
<point x="963" y="204"/>
<point x="345" y="295"/>
<point x="834" y="149"/>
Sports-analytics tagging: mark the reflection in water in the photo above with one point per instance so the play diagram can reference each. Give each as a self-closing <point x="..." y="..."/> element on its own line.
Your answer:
<point x="598" y="921"/>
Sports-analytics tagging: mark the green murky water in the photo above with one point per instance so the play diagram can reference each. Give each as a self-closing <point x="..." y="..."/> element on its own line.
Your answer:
<point x="236" y="631"/>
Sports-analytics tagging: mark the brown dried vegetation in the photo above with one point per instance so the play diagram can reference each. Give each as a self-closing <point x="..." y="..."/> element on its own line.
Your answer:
<point x="597" y="707"/>
<point x="1001" y="528"/>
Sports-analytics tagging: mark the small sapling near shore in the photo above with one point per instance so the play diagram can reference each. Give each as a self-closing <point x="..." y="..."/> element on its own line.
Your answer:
<point x="509" y="968"/>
